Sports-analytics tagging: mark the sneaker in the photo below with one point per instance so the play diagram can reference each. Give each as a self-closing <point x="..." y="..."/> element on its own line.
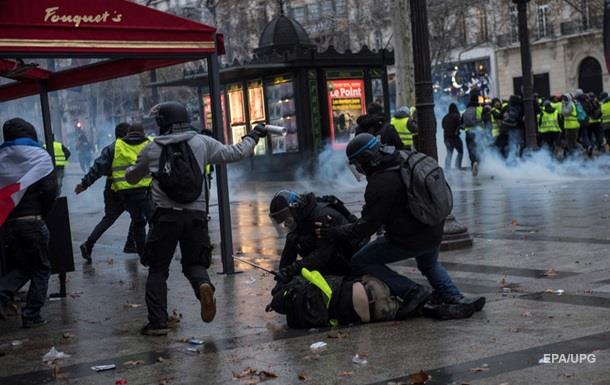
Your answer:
<point x="29" y="323"/>
<point x="208" y="303"/>
<point x="152" y="330"/>
<point x="85" y="251"/>
<point x="475" y="168"/>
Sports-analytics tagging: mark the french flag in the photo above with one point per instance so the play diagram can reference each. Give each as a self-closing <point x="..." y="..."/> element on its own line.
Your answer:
<point x="23" y="162"/>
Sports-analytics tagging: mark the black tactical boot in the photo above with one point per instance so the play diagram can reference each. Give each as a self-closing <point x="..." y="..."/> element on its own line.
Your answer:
<point x="413" y="301"/>
<point x="478" y="302"/>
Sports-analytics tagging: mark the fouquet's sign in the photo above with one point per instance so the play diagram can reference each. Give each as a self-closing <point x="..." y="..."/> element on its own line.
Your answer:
<point x="55" y="15"/>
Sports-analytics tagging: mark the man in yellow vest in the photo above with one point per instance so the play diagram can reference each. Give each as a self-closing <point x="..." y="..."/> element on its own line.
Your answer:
<point x="549" y="126"/>
<point x="605" y="106"/>
<point x="571" y="125"/>
<point x="134" y="196"/>
<point x="405" y="126"/>
<point x="62" y="154"/>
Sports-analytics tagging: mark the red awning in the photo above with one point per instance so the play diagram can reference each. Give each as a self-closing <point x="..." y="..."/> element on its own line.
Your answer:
<point x="97" y="28"/>
<point x="133" y="37"/>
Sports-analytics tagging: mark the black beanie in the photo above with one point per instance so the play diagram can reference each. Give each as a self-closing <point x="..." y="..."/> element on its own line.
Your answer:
<point x="18" y="128"/>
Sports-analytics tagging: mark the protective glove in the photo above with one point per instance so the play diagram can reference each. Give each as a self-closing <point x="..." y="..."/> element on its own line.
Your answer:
<point x="286" y="274"/>
<point x="257" y="132"/>
<point x="325" y="228"/>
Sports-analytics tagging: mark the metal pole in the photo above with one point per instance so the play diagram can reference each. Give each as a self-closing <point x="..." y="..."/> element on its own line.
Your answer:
<point x="424" y="100"/>
<point x="46" y="119"/>
<point x="531" y="140"/>
<point x="222" y="182"/>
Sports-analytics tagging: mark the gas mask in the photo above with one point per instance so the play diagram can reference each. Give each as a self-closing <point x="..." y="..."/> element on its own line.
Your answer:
<point x="283" y="221"/>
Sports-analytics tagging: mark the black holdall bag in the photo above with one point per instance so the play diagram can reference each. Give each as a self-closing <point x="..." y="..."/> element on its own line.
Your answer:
<point x="180" y="177"/>
<point x="302" y="303"/>
<point x="429" y="196"/>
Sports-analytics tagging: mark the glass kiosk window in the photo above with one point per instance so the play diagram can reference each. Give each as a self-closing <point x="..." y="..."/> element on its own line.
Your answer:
<point x="236" y="110"/>
<point x="207" y="111"/>
<point x="256" y="104"/>
<point x="345" y="104"/>
<point x="282" y="112"/>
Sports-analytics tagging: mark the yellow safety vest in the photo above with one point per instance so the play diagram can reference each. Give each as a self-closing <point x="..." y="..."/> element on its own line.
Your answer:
<point x="495" y="125"/>
<point x="207" y="169"/>
<point x="557" y="106"/>
<point x="606" y="112"/>
<point x="400" y="124"/>
<point x="60" y="157"/>
<point x="125" y="155"/>
<point x="549" y="122"/>
<point x="318" y="280"/>
<point x="571" y="122"/>
<point x="478" y="116"/>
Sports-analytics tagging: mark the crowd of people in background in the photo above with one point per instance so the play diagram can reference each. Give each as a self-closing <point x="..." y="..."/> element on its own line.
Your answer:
<point x="567" y="125"/>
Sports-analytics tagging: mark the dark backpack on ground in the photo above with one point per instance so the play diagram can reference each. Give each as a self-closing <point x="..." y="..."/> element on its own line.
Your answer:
<point x="469" y="118"/>
<point x="180" y="177"/>
<point x="302" y="303"/>
<point x="429" y="196"/>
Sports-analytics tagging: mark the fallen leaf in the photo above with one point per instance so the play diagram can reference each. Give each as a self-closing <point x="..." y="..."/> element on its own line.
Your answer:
<point x="310" y="357"/>
<point x="172" y="322"/>
<point x="338" y="334"/>
<point x="346" y="374"/>
<point x="162" y="359"/>
<point x="164" y="381"/>
<point x="478" y="370"/>
<point x="419" y="378"/>
<point x="567" y="375"/>
<point x="550" y="273"/>
<point x="253" y="376"/>
<point x="133" y="363"/>
<point x="110" y="261"/>
<point x="55" y="371"/>
<point x="303" y="377"/>
<point x="132" y="305"/>
<point x="513" y="223"/>
<point x="67" y="335"/>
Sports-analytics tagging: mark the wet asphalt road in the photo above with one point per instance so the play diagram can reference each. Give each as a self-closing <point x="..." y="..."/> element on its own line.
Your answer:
<point x="533" y="235"/>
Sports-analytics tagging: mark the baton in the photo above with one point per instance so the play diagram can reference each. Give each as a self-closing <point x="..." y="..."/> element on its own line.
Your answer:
<point x="255" y="265"/>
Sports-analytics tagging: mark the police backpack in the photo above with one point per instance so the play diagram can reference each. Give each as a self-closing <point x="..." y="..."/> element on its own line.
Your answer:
<point x="429" y="196"/>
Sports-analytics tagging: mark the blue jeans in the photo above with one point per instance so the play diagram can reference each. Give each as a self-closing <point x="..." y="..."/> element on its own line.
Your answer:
<point x="372" y="259"/>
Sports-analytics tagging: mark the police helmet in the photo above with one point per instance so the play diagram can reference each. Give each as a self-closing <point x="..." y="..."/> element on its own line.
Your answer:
<point x="281" y="209"/>
<point x="168" y="114"/>
<point x="363" y="152"/>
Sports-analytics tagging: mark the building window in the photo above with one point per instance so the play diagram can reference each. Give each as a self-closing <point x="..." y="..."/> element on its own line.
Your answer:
<point x="327" y="8"/>
<point x="586" y="14"/>
<point x="341" y="7"/>
<point x="482" y="17"/>
<point x="299" y="14"/>
<point x="543" y="21"/>
<point x="514" y="23"/>
<point x="378" y="40"/>
<point x="313" y="12"/>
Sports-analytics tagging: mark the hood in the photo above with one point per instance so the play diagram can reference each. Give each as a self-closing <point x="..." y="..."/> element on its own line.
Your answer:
<point x="368" y="122"/>
<point x="305" y="213"/>
<point x="18" y="128"/>
<point x="567" y="96"/>
<point x="453" y="109"/>
<point x="549" y="108"/>
<point x="387" y="161"/>
<point x="134" y="137"/>
<point x="176" y="136"/>
<point x="514" y="100"/>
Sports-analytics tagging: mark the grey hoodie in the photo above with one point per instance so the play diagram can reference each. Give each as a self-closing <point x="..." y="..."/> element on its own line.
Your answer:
<point x="206" y="149"/>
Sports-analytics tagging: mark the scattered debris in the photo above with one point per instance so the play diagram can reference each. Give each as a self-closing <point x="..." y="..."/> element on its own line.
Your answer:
<point x="419" y="378"/>
<point x="319" y="346"/>
<point x="479" y="370"/>
<point x="55" y="372"/>
<point x="313" y="330"/>
<point x="133" y="363"/>
<point x="346" y="373"/>
<point x="526" y="314"/>
<point x="164" y="381"/>
<point x="567" y="375"/>
<point x="103" y="368"/>
<point x="251" y="281"/>
<point x="162" y="359"/>
<point x="132" y="305"/>
<point x="68" y="335"/>
<point x="337" y="334"/>
<point x="312" y="357"/>
<point x="359" y="359"/>
<point x="195" y="341"/>
<point x="53" y="355"/>
<point x="398" y="383"/>
<point x="550" y="273"/>
<point x="553" y="291"/>
<point x="121" y="381"/>
<point x="17" y="342"/>
<point x="303" y="377"/>
<point x="193" y="350"/>
<point x="253" y="376"/>
<point x="174" y="319"/>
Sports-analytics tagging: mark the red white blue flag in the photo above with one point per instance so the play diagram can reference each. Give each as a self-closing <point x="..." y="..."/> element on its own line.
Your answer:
<point x="23" y="162"/>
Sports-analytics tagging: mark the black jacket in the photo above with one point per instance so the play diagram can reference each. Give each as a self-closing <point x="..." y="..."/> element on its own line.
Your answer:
<point x="38" y="199"/>
<point x="324" y="255"/>
<point x="377" y="125"/>
<point x="451" y="125"/>
<point x="386" y="204"/>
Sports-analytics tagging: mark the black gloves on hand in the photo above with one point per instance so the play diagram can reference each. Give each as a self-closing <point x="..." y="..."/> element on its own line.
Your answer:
<point x="257" y="132"/>
<point x="286" y="274"/>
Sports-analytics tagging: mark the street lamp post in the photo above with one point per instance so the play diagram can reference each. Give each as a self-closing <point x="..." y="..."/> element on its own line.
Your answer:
<point x="531" y="140"/>
<point x="455" y="235"/>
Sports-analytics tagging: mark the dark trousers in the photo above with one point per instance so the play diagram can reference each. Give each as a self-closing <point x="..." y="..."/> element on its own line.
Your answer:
<point x="27" y="243"/>
<point x="170" y="227"/>
<point x="571" y="137"/>
<point x="597" y="135"/>
<point x="550" y="139"/>
<point x="471" y="145"/>
<point x="373" y="257"/>
<point x="136" y="203"/>
<point x="113" y="208"/>
<point x="454" y="143"/>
